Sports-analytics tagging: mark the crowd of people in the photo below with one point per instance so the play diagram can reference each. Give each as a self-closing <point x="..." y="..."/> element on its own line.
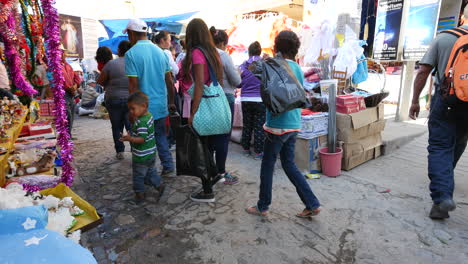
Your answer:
<point x="149" y="81"/>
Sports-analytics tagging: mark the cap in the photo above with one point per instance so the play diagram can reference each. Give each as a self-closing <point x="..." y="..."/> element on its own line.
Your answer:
<point x="136" y="25"/>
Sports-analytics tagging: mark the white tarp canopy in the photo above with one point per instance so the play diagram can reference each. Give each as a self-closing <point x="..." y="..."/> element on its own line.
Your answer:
<point x="219" y="13"/>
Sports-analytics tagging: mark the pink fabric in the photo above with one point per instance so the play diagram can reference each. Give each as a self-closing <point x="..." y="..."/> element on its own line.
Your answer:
<point x="187" y="106"/>
<point x="199" y="58"/>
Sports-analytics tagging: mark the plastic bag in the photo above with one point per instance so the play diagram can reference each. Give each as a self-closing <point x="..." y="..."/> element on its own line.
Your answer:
<point x="280" y="89"/>
<point x="99" y="110"/>
<point x="346" y="60"/>
<point x="192" y="155"/>
<point x="361" y="74"/>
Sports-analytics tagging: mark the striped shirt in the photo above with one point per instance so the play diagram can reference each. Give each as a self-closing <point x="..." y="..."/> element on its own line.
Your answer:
<point x="144" y="128"/>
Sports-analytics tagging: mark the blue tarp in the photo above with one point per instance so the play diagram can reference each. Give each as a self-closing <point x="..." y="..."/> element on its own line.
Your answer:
<point x="114" y="28"/>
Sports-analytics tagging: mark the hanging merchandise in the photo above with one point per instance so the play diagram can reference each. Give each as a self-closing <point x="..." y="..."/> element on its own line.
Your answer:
<point x="348" y="54"/>
<point x="54" y="57"/>
<point x="322" y="44"/>
<point x="9" y="34"/>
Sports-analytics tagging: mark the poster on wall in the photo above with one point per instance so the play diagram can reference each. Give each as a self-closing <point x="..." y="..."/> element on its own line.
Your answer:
<point x="72" y="35"/>
<point x="387" y="29"/>
<point x="449" y="14"/>
<point x="420" y="28"/>
<point x="90" y="37"/>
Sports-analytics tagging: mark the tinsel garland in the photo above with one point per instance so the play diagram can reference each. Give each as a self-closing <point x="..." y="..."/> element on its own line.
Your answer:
<point x="54" y="58"/>
<point x="8" y="31"/>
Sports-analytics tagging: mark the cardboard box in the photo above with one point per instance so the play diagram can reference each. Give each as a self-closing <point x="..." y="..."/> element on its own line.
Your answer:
<point x="351" y="135"/>
<point x="307" y="157"/>
<point x="355" y="154"/>
<point x="314" y="126"/>
<point x="352" y="127"/>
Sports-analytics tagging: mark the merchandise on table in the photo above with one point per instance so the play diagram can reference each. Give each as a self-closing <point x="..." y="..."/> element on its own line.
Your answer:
<point x="314" y="126"/>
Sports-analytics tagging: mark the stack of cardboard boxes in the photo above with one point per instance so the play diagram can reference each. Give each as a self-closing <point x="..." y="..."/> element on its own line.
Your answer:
<point x="361" y="134"/>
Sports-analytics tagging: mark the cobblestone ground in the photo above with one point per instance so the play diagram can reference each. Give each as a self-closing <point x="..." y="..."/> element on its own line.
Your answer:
<point x="359" y="224"/>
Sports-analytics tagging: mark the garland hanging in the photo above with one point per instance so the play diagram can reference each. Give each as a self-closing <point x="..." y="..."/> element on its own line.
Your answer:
<point x="8" y="31"/>
<point x="54" y="57"/>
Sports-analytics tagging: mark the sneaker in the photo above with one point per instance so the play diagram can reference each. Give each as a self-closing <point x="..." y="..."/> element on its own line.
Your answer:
<point x="139" y="198"/>
<point x="165" y="173"/>
<point x="230" y="180"/>
<point x="258" y="156"/>
<point x="202" y="197"/>
<point x="247" y="152"/>
<point x="120" y="156"/>
<point x="440" y="211"/>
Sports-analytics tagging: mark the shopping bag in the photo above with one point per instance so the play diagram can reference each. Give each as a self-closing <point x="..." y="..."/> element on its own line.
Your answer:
<point x="193" y="157"/>
<point x="213" y="116"/>
<point x="280" y="89"/>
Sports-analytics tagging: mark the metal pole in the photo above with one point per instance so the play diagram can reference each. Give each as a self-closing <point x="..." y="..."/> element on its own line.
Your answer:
<point x="332" y="118"/>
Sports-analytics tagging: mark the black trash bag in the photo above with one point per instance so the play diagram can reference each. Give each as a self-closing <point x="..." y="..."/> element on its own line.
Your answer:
<point x="280" y="89"/>
<point x="193" y="157"/>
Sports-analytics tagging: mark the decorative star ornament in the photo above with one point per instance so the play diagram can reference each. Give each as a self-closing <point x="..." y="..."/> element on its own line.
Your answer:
<point x="29" y="224"/>
<point x="34" y="240"/>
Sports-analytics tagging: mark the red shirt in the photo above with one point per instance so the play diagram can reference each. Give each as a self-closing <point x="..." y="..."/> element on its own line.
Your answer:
<point x="71" y="78"/>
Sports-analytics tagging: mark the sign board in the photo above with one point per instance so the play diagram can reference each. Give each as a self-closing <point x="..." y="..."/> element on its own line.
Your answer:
<point x="387" y="31"/>
<point x="419" y="28"/>
<point x="449" y="14"/>
<point x="90" y="37"/>
<point x="72" y="35"/>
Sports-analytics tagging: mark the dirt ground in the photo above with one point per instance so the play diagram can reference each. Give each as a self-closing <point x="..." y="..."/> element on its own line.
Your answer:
<point x="358" y="224"/>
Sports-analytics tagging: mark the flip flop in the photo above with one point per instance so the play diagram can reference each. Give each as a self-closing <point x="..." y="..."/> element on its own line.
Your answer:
<point x="309" y="214"/>
<point x="254" y="211"/>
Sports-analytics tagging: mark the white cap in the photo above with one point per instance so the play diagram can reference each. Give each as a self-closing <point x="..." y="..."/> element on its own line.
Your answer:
<point x="136" y="25"/>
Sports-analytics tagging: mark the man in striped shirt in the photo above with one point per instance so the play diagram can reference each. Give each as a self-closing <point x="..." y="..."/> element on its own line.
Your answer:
<point x="143" y="144"/>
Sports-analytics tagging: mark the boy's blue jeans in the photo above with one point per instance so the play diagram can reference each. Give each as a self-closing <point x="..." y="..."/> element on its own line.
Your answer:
<point x="145" y="172"/>
<point x="284" y="146"/>
<point x="448" y="136"/>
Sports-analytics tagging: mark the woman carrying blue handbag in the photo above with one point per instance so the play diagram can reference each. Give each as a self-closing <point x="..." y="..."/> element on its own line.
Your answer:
<point x="210" y="112"/>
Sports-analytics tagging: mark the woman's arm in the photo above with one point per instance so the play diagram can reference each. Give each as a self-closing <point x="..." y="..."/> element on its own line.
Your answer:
<point x="232" y="73"/>
<point x="103" y="79"/>
<point x="198" y="92"/>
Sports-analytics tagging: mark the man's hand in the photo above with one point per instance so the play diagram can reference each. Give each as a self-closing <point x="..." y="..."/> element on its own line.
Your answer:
<point x="172" y="108"/>
<point x="414" y="111"/>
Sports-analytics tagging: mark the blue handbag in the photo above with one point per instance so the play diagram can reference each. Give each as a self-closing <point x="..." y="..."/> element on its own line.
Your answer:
<point x="214" y="114"/>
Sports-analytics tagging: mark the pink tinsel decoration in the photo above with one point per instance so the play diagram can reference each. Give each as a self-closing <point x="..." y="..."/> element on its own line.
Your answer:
<point x="7" y="33"/>
<point x="54" y="56"/>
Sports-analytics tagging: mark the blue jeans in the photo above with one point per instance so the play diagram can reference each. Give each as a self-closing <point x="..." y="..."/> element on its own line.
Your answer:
<point x="219" y="144"/>
<point x="448" y="136"/>
<point x="162" y="145"/>
<point x="283" y="145"/>
<point x="145" y="172"/>
<point x="118" y="115"/>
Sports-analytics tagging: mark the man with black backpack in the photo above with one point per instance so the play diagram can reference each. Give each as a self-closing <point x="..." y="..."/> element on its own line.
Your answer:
<point x="448" y="120"/>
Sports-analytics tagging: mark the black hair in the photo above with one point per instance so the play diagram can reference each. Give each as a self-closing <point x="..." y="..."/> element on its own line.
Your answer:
<point x="219" y="36"/>
<point x="124" y="46"/>
<point x="103" y="55"/>
<point x="287" y="43"/>
<point x="182" y="43"/>
<point x="139" y="98"/>
<point x="255" y="49"/>
<point x="159" y="36"/>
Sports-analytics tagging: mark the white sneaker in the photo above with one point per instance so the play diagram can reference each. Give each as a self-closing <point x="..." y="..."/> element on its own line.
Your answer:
<point x="82" y="111"/>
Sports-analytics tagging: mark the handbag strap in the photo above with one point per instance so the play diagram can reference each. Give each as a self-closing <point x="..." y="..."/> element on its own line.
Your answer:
<point x="213" y="78"/>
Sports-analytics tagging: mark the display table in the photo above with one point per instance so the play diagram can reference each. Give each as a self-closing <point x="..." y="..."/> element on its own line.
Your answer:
<point x="13" y="134"/>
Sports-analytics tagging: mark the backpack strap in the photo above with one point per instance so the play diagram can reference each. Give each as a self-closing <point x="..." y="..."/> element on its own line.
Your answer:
<point x="457" y="32"/>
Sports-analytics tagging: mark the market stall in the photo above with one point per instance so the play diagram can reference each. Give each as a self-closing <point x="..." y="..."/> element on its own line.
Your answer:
<point x="36" y="156"/>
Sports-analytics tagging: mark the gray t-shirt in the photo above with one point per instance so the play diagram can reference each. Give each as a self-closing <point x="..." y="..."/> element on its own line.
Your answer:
<point x="231" y="75"/>
<point x="439" y="53"/>
<point x="117" y="84"/>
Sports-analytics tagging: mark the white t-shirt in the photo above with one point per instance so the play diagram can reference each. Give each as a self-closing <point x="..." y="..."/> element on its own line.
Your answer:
<point x="172" y="63"/>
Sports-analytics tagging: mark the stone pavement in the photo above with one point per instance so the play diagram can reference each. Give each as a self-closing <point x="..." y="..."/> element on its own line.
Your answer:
<point x="359" y="224"/>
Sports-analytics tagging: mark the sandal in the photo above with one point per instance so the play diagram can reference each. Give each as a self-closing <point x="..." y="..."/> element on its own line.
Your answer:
<point x="306" y="213"/>
<point x="254" y="211"/>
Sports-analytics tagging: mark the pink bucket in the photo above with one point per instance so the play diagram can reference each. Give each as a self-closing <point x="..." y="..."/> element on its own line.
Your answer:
<point x="331" y="162"/>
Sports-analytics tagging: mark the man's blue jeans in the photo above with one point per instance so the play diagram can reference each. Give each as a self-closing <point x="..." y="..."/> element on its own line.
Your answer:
<point x="145" y="172"/>
<point x="162" y="145"/>
<point x="284" y="146"/>
<point x="448" y="136"/>
<point x="118" y="115"/>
